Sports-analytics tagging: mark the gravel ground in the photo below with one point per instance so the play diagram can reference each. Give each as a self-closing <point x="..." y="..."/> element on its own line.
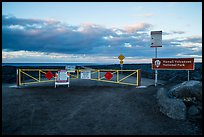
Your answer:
<point x="87" y="109"/>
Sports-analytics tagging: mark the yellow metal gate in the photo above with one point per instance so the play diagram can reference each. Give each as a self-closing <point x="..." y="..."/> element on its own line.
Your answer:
<point x="38" y="76"/>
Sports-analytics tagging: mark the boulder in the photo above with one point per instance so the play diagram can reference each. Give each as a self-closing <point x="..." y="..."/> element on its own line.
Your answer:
<point x="173" y="108"/>
<point x="190" y="88"/>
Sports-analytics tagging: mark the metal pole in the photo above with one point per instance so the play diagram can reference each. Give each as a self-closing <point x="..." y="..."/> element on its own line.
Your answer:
<point x="156" y="52"/>
<point x="39" y="75"/>
<point x="117" y="76"/>
<point x="156" y="70"/>
<point x="188" y="75"/>
<point x="17" y="77"/>
<point x="98" y="74"/>
<point x="121" y="68"/>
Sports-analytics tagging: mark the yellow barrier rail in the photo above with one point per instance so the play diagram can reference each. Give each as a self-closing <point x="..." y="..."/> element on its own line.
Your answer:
<point x="118" y="80"/>
<point x="76" y="76"/>
<point x="37" y="80"/>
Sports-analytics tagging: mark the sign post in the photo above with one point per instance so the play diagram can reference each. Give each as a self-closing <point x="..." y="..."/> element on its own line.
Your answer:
<point x="156" y="72"/>
<point x="188" y="75"/>
<point x="121" y="57"/>
<point x="156" y="41"/>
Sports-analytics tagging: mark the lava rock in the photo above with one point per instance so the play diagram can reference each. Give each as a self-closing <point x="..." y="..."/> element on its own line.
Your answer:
<point x="190" y="88"/>
<point x="173" y="108"/>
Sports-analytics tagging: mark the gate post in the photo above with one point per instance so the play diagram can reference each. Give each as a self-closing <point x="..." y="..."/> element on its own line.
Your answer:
<point x="77" y="73"/>
<point x="17" y="77"/>
<point x="39" y="75"/>
<point x="138" y="77"/>
<point x="117" y="76"/>
<point x="98" y="74"/>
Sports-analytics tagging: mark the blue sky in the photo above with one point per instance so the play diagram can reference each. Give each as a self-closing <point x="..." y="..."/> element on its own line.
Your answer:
<point x="99" y="31"/>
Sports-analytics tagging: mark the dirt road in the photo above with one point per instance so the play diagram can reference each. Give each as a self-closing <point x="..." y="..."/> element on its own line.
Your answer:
<point x="87" y="109"/>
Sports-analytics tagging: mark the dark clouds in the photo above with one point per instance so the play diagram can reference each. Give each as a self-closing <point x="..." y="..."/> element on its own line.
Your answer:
<point x="54" y="36"/>
<point x="173" y="32"/>
<point x="12" y="20"/>
<point x="195" y="39"/>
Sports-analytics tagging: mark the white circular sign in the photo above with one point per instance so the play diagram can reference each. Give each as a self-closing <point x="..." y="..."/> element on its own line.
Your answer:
<point x="157" y="63"/>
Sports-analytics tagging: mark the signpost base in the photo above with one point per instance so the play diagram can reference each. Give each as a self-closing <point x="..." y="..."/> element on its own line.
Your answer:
<point x="188" y="75"/>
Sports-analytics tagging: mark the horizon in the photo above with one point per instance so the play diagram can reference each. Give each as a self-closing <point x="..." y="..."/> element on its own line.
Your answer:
<point x="76" y="63"/>
<point x="98" y="32"/>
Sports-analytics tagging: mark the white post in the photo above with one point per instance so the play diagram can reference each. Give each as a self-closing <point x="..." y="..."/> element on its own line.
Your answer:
<point x="155" y="78"/>
<point x="156" y="70"/>
<point x="188" y="75"/>
<point x="156" y="41"/>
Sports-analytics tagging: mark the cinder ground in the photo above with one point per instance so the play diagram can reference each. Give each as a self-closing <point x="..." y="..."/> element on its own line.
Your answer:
<point x="87" y="107"/>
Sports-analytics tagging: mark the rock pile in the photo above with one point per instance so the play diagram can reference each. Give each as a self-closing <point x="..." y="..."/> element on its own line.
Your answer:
<point x="182" y="101"/>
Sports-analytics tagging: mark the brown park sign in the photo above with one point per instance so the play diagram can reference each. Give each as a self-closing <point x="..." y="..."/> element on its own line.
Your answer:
<point x="173" y="63"/>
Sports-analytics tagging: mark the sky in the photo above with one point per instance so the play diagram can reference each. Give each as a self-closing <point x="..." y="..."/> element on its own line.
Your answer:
<point x="98" y="32"/>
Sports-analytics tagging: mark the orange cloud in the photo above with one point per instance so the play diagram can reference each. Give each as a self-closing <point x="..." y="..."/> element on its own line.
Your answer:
<point x="137" y="27"/>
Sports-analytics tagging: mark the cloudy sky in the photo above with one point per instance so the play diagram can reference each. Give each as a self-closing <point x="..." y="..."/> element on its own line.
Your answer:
<point x="99" y="32"/>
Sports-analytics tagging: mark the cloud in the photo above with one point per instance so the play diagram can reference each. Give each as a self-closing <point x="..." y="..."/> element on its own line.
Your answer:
<point x="11" y="20"/>
<point x="184" y="46"/>
<point x="173" y="32"/>
<point x="128" y="45"/>
<point x="51" y="36"/>
<point x="178" y="32"/>
<point x="189" y="55"/>
<point x="194" y="39"/>
<point x="137" y="27"/>
<point x="54" y="36"/>
<point x="41" y="40"/>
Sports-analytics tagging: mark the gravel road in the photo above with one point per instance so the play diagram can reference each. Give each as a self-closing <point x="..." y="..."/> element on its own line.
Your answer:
<point x="88" y="109"/>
